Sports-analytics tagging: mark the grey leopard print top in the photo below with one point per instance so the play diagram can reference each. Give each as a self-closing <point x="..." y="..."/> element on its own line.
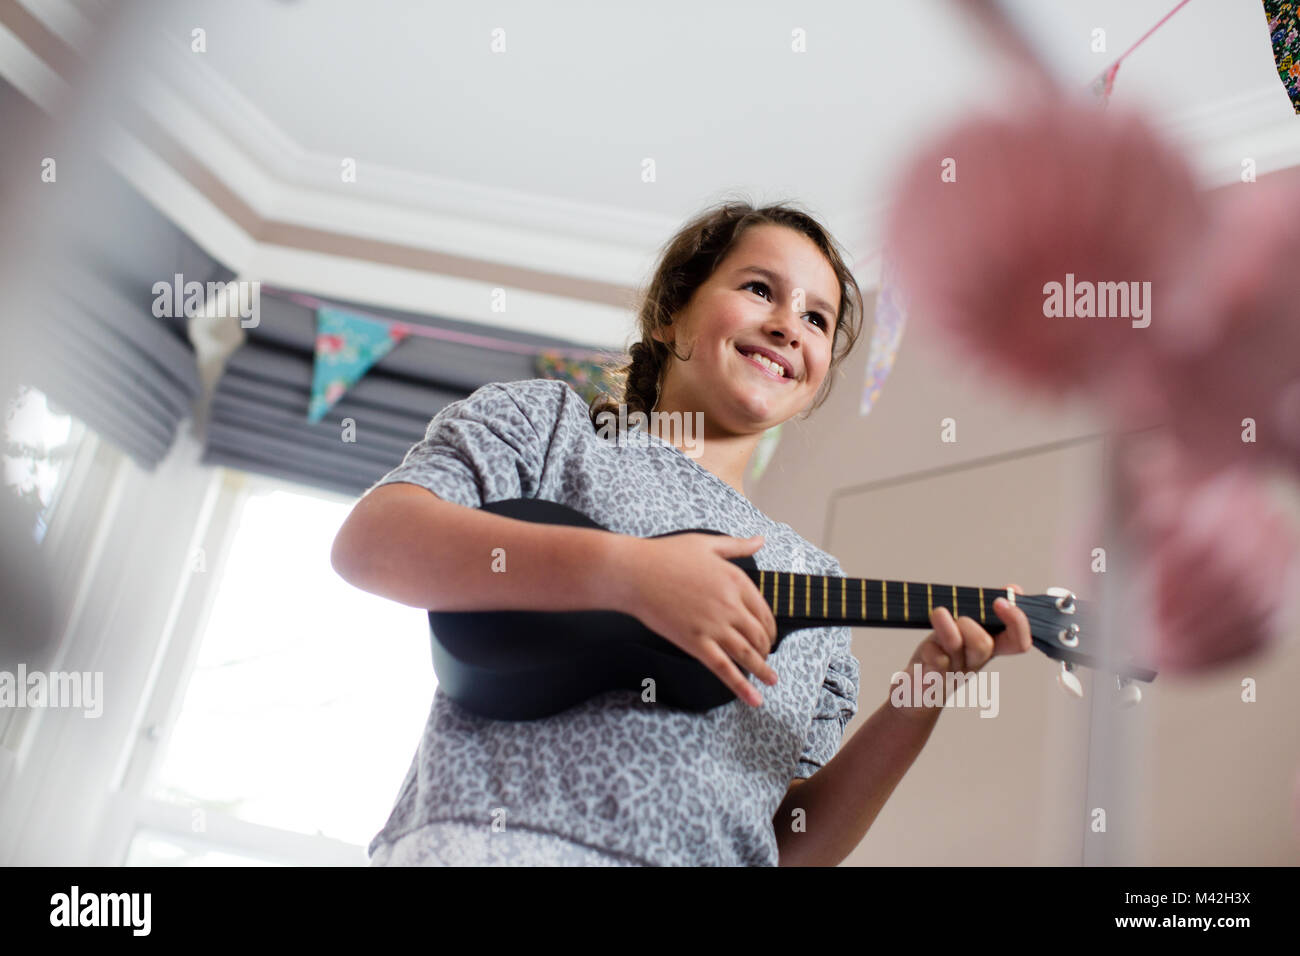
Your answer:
<point x="662" y="786"/>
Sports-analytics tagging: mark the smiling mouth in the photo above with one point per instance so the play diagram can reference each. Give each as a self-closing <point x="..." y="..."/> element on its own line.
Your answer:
<point x="768" y="370"/>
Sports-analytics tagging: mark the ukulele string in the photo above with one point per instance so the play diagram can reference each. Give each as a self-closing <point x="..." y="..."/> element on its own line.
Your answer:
<point x="1039" y="613"/>
<point x="809" y="595"/>
<point x="1031" y="605"/>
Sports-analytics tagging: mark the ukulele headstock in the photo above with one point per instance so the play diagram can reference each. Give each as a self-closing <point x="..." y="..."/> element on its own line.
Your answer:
<point x="1064" y="629"/>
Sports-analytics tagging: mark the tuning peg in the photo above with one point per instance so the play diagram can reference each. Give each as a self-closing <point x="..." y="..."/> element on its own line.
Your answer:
<point x="1065" y="677"/>
<point x="1130" y="695"/>
<point x="1065" y="599"/>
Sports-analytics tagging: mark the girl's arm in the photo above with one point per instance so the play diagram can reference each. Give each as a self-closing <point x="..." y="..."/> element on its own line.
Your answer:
<point x="842" y="799"/>
<point x="404" y="543"/>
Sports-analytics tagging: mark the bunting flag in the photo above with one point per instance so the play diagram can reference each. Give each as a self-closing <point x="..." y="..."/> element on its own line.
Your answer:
<point x="1284" y="30"/>
<point x="763" y="452"/>
<point x="347" y="346"/>
<point x="587" y="377"/>
<point x="891" y="318"/>
<point x="590" y="380"/>
<point x="1105" y="82"/>
<point x="1104" y="85"/>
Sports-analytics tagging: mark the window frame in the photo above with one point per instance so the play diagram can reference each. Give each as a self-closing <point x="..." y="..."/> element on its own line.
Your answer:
<point x="138" y="813"/>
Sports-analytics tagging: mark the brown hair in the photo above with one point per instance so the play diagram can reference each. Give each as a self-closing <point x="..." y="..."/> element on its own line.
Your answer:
<point x="686" y="263"/>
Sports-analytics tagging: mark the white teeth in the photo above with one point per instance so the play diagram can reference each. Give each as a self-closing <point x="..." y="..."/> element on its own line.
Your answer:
<point x="766" y="362"/>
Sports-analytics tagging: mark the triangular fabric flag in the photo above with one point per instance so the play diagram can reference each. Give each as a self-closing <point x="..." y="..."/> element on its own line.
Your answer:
<point x="347" y="346"/>
<point x="1105" y="84"/>
<point x="891" y="319"/>
<point x="587" y="377"/>
<point x="1284" y="30"/>
<point x="764" y="451"/>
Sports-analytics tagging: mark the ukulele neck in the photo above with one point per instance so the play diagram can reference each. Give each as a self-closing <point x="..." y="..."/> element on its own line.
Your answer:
<point x="867" y="602"/>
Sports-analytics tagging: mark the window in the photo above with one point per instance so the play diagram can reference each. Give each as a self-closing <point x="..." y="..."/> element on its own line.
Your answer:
<point x="304" y="703"/>
<point x="154" y="849"/>
<point x="40" y="441"/>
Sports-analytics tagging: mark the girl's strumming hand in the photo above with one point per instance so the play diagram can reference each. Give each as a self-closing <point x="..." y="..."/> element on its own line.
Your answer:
<point x="682" y="587"/>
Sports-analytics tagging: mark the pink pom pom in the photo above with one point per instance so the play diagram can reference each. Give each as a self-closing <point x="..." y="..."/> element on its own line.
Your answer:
<point x="1228" y="342"/>
<point x="1067" y="188"/>
<point x="1218" y="560"/>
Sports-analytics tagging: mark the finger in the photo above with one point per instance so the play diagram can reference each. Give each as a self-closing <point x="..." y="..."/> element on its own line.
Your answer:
<point x="744" y="653"/>
<point x="753" y="632"/>
<point x="729" y="547"/>
<point x="933" y="657"/>
<point x="1017" y="588"/>
<point x="751" y="628"/>
<point x="761" y="614"/>
<point x="947" y="634"/>
<point x="716" y="660"/>
<point x="979" y="643"/>
<point x="1017" y="637"/>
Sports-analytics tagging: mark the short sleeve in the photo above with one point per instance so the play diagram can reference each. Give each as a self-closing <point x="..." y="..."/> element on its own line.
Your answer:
<point x="481" y="448"/>
<point x="836" y="703"/>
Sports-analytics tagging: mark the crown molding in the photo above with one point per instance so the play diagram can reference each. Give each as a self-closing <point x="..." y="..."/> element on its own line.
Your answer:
<point x="1260" y="124"/>
<point x="275" y="190"/>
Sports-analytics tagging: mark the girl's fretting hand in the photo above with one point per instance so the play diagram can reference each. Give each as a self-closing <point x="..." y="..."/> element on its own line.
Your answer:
<point x="961" y="646"/>
<point x="682" y="587"/>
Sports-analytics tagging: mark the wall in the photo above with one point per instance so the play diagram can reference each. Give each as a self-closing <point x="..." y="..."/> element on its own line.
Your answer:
<point x="1192" y="776"/>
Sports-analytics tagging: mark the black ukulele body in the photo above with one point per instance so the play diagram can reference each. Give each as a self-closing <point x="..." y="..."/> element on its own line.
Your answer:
<point x="524" y="665"/>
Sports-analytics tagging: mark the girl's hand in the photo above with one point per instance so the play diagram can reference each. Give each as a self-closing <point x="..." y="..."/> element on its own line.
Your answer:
<point x="963" y="646"/>
<point x="682" y="587"/>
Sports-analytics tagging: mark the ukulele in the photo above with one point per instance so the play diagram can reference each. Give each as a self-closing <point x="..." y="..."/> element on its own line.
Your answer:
<point x="525" y="665"/>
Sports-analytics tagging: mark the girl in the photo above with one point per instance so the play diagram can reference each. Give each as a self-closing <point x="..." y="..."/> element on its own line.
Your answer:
<point x="747" y="313"/>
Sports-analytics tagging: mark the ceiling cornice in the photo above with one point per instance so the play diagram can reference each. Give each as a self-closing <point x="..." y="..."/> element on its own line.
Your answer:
<point x="275" y="211"/>
<point x="415" y="239"/>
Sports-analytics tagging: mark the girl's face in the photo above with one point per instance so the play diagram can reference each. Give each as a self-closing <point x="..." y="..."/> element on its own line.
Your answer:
<point x="741" y="309"/>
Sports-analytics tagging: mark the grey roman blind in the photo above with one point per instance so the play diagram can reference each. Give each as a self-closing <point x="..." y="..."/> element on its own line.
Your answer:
<point x="97" y="350"/>
<point x="110" y="363"/>
<point x="258" y="418"/>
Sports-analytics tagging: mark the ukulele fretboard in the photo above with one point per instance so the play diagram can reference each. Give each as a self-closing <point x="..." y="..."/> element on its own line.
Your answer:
<point x="873" y="603"/>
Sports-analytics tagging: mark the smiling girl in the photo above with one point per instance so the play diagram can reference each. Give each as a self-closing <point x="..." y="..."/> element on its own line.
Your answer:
<point x="748" y="312"/>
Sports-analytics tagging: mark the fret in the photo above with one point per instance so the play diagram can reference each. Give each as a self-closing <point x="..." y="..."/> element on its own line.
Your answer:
<point x="772" y="595"/>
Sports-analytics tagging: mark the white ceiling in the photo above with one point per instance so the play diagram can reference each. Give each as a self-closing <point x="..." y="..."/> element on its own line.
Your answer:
<point x="534" y="156"/>
<point x="713" y="92"/>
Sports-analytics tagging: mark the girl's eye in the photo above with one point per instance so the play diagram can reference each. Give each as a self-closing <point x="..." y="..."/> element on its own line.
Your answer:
<point x="766" y="292"/>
